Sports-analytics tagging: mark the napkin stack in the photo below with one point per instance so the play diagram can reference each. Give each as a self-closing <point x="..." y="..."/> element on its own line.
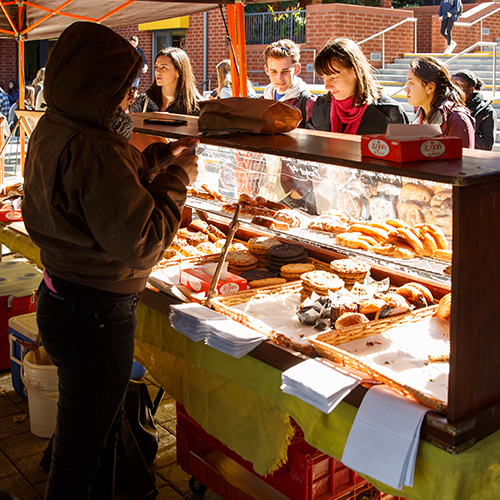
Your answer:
<point x="383" y="441"/>
<point x="232" y="337"/>
<point x="191" y="320"/>
<point x="220" y="332"/>
<point x="317" y="383"/>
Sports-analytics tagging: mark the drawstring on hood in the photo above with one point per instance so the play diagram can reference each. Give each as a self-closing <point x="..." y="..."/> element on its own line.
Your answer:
<point x="92" y="91"/>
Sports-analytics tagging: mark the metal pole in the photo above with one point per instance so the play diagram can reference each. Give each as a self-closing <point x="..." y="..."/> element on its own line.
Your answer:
<point x="415" y="36"/>
<point x="205" y="52"/>
<point x="494" y="70"/>
<point x="383" y="50"/>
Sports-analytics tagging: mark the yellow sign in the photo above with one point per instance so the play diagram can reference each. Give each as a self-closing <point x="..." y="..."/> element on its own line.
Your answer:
<point x="166" y="24"/>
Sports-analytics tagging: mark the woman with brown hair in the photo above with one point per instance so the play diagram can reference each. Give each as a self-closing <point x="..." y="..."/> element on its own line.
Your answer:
<point x="354" y="103"/>
<point x="439" y="100"/>
<point x="225" y="87"/>
<point x="173" y="89"/>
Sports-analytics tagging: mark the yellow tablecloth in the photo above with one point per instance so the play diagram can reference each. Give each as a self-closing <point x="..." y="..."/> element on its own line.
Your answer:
<point x="239" y="401"/>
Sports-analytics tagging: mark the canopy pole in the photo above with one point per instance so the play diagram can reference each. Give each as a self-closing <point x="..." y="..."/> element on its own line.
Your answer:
<point x="22" y="90"/>
<point x="242" y="53"/>
<point x="231" y="23"/>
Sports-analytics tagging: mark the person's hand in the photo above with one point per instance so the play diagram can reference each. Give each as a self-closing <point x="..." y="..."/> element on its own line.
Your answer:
<point x="189" y="163"/>
<point x="449" y="14"/>
<point x="440" y="19"/>
<point x="179" y="147"/>
<point x="145" y="68"/>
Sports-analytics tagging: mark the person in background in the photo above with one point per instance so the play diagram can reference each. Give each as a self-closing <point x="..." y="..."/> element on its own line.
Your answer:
<point x="134" y="41"/>
<point x="480" y="108"/>
<point x="29" y="105"/>
<point x="37" y="82"/>
<point x="225" y="88"/>
<point x="282" y="66"/>
<point x="102" y="214"/>
<point x="354" y="103"/>
<point x="430" y="88"/>
<point x="173" y="89"/>
<point x="13" y="92"/>
<point x="4" y="103"/>
<point x="449" y="12"/>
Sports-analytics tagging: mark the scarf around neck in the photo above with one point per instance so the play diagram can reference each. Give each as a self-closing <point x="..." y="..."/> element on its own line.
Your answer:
<point x="345" y="113"/>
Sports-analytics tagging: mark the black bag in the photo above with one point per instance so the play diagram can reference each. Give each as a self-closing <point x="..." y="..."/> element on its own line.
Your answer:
<point x="137" y="446"/>
<point x="136" y="449"/>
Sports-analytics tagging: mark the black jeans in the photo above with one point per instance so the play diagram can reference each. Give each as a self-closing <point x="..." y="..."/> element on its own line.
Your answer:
<point x="446" y="27"/>
<point x="91" y="341"/>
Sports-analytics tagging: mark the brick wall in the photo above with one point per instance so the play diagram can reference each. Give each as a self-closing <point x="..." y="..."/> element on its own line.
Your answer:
<point x="323" y="22"/>
<point x="8" y="59"/>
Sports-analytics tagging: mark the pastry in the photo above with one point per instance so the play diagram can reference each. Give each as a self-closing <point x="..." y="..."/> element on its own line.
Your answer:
<point x="408" y="237"/>
<point x="266" y="282"/>
<point x="411" y="213"/>
<point x="260" y="245"/>
<point x="289" y="217"/>
<point x="270" y="223"/>
<point x="397" y="223"/>
<point x="338" y="309"/>
<point x="321" y="282"/>
<point x="381" y="208"/>
<point x="208" y="247"/>
<point x="416" y="294"/>
<point x="370" y="230"/>
<point x="350" y="271"/>
<point x="396" y="250"/>
<point x="356" y="241"/>
<point x="349" y="205"/>
<point x="415" y="192"/>
<point x="436" y="233"/>
<point x="444" y="307"/>
<point x="350" y="319"/>
<point x="371" y="306"/>
<point x="445" y="255"/>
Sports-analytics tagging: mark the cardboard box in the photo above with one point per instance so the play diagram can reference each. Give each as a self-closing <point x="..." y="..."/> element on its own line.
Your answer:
<point x="407" y="150"/>
<point x="8" y="215"/>
<point x="199" y="281"/>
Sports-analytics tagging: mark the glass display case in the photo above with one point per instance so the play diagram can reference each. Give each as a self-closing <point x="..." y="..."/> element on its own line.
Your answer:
<point x="461" y="196"/>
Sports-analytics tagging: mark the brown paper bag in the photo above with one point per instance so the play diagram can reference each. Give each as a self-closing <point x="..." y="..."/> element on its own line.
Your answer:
<point x="247" y="115"/>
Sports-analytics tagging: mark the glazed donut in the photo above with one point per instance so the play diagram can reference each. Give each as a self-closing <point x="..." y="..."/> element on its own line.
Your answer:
<point x="408" y="237"/>
<point x="350" y="319"/>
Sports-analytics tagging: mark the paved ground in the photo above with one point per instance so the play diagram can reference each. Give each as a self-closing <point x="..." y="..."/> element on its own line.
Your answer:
<point x="21" y="451"/>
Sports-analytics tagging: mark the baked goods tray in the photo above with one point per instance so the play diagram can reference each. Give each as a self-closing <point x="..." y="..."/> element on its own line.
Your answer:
<point x="395" y="351"/>
<point x="423" y="266"/>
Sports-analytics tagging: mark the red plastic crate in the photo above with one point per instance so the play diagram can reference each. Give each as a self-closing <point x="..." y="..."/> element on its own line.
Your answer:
<point x="308" y="474"/>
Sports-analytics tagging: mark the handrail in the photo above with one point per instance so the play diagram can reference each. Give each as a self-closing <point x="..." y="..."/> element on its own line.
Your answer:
<point x="390" y="28"/>
<point x="479" y="19"/>
<point x="477" y="44"/>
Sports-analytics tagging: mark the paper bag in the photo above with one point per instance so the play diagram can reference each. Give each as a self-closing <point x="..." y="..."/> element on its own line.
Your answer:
<point x="247" y="115"/>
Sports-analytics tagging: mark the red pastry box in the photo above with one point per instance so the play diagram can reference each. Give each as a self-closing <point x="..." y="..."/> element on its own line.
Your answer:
<point x="10" y="211"/>
<point x="405" y="143"/>
<point x="198" y="280"/>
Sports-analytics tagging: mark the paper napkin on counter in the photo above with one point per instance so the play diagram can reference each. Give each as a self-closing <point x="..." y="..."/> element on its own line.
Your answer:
<point x="191" y="320"/>
<point x="232" y="337"/>
<point x="318" y="384"/>
<point x="384" y="437"/>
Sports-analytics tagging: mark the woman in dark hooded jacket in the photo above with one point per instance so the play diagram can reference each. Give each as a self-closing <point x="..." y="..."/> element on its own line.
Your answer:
<point x="102" y="214"/>
<point x="480" y="108"/>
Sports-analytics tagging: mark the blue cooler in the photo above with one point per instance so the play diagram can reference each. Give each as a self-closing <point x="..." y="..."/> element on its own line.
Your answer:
<point x="21" y="327"/>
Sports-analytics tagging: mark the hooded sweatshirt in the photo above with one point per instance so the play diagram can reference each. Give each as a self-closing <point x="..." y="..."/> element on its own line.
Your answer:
<point x="91" y="205"/>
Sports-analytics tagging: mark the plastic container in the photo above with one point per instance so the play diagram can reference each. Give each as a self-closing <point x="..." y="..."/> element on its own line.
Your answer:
<point x="308" y="473"/>
<point x="19" y="281"/>
<point x="42" y="386"/>
<point x="21" y="327"/>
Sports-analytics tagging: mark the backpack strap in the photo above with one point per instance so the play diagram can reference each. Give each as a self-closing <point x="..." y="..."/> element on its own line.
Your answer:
<point x="304" y="97"/>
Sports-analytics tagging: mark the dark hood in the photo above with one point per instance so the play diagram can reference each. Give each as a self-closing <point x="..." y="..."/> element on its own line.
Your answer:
<point x="88" y="73"/>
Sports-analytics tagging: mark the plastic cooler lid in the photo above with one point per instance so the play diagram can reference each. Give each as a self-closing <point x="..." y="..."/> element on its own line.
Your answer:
<point x="18" y="277"/>
<point x="25" y="324"/>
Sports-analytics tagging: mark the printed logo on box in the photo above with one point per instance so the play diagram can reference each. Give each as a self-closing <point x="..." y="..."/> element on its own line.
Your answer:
<point x="195" y="284"/>
<point x="378" y="147"/>
<point x="229" y="288"/>
<point x="432" y="149"/>
<point x="13" y="215"/>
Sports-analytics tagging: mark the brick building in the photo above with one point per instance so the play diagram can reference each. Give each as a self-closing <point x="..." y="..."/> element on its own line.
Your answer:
<point x="204" y="39"/>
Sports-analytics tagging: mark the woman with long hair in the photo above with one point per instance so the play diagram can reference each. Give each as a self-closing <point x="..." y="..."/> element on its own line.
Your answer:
<point x="354" y="103"/>
<point x="438" y="99"/>
<point x="173" y="89"/>
<point x="225" y="87"/>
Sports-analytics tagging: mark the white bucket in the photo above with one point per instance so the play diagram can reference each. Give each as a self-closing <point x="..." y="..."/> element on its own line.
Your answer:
<point x="42" y="385"/>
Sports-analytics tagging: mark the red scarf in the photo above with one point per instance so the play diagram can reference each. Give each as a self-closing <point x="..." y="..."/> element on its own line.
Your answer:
<point x="344" y="112"/>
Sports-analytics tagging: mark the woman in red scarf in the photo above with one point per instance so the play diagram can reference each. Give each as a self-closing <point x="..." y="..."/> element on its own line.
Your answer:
<point x="354" y="103"/>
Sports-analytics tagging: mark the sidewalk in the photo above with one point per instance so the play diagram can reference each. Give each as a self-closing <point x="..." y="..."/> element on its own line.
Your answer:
<point x="21" y="451"/>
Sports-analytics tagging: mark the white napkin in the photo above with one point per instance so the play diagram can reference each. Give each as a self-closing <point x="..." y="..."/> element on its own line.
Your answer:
<point x="191" y="319"/>
<point x="384" y="437"/>
<point x="318" y="384"/>
<point x="232" y="337"/>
